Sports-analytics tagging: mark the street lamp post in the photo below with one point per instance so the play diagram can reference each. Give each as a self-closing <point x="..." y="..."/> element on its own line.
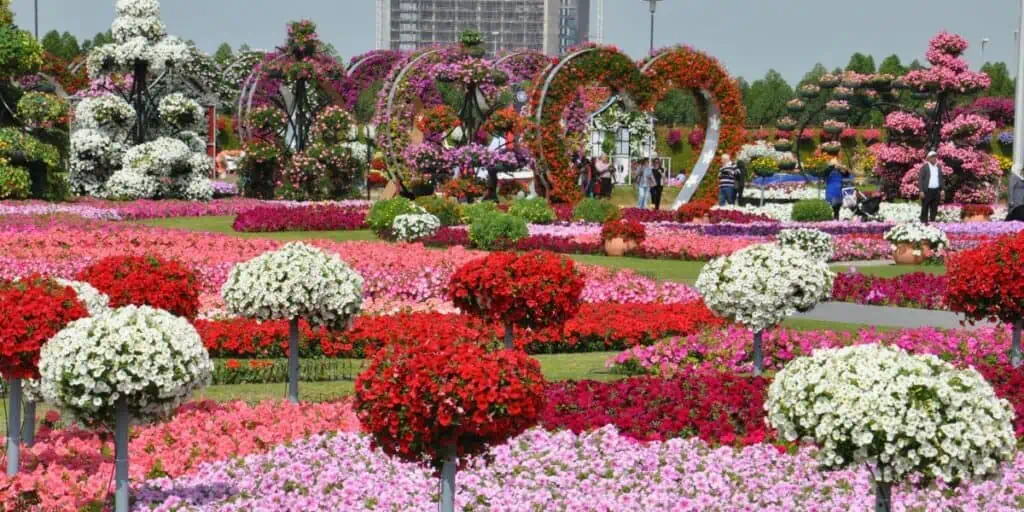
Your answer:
<point x="984" y="43"/>
<point x="37" y="19"/>
<point x="654" y="7"/>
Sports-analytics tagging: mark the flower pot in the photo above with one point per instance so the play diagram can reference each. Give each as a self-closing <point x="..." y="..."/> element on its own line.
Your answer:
<point x="618" y="246"/>
<point x="787" y="166"/>
<point x="701" y="220"/>
<point x="926" y="251"/>
<point x="906" y="254"/>
<point x="978" y="218"/>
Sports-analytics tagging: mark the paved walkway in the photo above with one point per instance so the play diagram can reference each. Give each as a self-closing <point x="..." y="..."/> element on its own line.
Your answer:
<point x="884" y="316"/>
<point x="862" y="263"/>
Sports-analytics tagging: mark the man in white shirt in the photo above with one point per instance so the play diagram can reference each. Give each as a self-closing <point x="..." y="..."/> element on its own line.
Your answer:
<point x="929" y="180"/>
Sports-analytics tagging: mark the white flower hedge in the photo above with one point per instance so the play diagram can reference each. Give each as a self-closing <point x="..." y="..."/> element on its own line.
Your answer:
<point x="296" y="281"/>
<point x="817" y="244"/>
<point x="148" y="357"/>
<point x="759" y="286"/>
<point x="917" y="234"/>
<point x="899" y="413"/>
<point x="414" y="226"/>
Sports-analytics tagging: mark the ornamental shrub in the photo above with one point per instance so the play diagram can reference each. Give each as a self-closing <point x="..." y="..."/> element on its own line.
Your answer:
<point x="416" y="226"/>
<point x="426" y="401"/>
<point x="472" y="213"/>
<point x="447" y="211"/>
<point x="382" y="214"/>
<point x="812" y="210"/>
<point x="497" y="231"/>
<point x="533" y="211"/>
<point x="904" y="415"/>
<point x="147" y="357"/>
<point x="596" y="210"/>
<point x="533" y="290"/>
<point x="145" y="281"/>
<point x="14" y="182"/>
<point x="34" y="309"/>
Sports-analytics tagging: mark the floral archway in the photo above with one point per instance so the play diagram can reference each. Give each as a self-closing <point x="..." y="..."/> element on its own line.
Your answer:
<point x="559" y="88"/>
<point x="719" y="99"/>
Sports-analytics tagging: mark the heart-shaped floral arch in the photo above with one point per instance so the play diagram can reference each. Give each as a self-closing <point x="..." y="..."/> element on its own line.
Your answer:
<point x="641" y="87"/>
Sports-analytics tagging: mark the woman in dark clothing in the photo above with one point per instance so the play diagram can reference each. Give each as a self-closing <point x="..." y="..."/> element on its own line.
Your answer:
<point x="741" y="181"/>
<point x="836" y="177"/>
<point x="659" y="176"/>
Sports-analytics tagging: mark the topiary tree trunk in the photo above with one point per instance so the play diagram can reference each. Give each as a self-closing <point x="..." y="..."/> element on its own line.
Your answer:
<point x="508" y="336"/>
<point x="122" y="484"/>
<point x="758" y="357"/>
<point x="13" y="427"/>
<point x="293" y="360"/>
<point x="28" y="426"/>
<point x="448" y="470"/>
<point x="1015" y="353"/>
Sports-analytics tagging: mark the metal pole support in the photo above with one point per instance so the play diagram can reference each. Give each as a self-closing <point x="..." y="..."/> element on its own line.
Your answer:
<point x="293" y="360"/>
<point x="28" y="426"/>
<point x="14" y="427"/>
<point x="1015" y="353"/>
<point x="758" y="358"/>
<point x="121" y="420"/>
<point x="448" y="470"/>
<point x="508" y="337"/>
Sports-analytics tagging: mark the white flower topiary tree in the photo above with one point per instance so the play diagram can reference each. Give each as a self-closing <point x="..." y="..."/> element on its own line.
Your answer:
<point x="761" y="285"/>
<point x="128" y="364"/>
<point x="296" y="281"/>
<point x="901" y="415"/>
<point x="817" y="244"/>
<point x="140" y="139"/>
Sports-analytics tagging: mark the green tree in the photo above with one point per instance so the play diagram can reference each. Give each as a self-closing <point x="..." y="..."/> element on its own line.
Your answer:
<point x="224" y="54"/>
<point x="768" y="98"/>
<point x="70" y="46"/>
<point x="1002" y="84"/>
<point x="893" y="66"/>
<point x="815" y="106"/>
<point x="53" y="43"/>
<point x="860" y="63"/>
<point x="102" y="38"/>
<point x="678" y="107"/>
<point x="245" y="48"/>
<point x="366" y="104"/>
<point x="915" y="65"/>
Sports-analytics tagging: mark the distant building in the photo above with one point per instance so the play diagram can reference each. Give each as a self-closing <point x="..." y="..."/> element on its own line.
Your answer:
<point x="547" y="25"/>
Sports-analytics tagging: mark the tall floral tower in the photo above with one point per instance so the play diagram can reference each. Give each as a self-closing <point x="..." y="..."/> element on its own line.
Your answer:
<point x="140" y="139"/>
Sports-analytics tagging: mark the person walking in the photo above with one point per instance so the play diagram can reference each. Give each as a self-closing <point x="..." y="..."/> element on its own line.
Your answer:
<point x="836" y="176"/>
<point x="659" y="180"/>
<point x="741" y="181"/>
<point x="644" y="182"/>
<point x="604" y="175"/>
<point x="930" y="181"/>
<point x="727" y="181"/>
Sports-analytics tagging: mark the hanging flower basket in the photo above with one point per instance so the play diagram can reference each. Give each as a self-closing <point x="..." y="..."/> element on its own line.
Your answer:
<point x="783" y="145"/>
<point x="831" y="148"/>
<point x="921" y="95"/>
<point x="844" y="93"/>
<point x="795" y="106"/>
<point x="832" y="130"/>
<point x="809" y="91"/>
<point x="786" y="123"/>
<point x="787" y="165"/>
<point x="829" y="81"/>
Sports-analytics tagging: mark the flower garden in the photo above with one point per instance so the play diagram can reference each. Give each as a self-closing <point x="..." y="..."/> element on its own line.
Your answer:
<point x="281" y="339"/>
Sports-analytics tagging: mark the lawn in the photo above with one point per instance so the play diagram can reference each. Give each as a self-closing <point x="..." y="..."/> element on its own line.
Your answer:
<point x="222" y="224"/>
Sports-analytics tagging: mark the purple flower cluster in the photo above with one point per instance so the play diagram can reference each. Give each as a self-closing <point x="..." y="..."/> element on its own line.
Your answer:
<point x="1006" y="138"/>
<point x="224" y="189"/>
<point x="265" y="219"/>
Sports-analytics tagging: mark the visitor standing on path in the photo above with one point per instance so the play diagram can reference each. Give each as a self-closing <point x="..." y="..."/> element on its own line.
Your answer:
<point x="929" y="179"/>
<point x="644" y="182"/>
<point x="834" y="180"/>
<point x="727" y="181"/>
<point x="659" y="180"/>
<point x="604" y="175"/>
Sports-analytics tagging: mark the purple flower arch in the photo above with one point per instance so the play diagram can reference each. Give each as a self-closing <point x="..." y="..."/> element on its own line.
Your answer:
<point x="365" y="70"/>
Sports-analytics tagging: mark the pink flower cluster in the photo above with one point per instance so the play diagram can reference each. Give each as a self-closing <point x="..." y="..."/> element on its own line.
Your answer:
<point x="970" y="129"/>
<point x="904" y="123"/>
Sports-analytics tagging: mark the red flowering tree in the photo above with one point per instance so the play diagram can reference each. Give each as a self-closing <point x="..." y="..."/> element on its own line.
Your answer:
<point x="439" y="400"/>
<point x="146" y="281"/>
<point x="533" y="290"/>
<point x="987" y="282"/>
<point x="34" y="310"/>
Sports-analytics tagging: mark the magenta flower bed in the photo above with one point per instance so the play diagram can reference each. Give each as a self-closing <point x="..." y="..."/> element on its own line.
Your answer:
<point x="265" y="219"/>
<point x="916" y="290"/>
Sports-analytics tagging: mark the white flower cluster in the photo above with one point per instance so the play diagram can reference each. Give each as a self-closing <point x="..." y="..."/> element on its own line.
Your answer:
<point x="784" y="193"/>
<point x="180" y="110"/>
<point x="195" y="187"/>
<point x="149" y="358"/>
<point x="817" y="244"/>
<point x="295" y="281"/>
<point x="917" y="234"/>
<point x="908" y="212"/>
<point x="900" y="414"/>
<point x="122" y="56"/>
<point x="93" y="157"/>
<point x="759" y="286"/>
<point x="751" y="152"/>
<point x="95" y="301"/>
<point x="782" y="212"/>
<point x="128" y="185"/>
<point x="415" y="226"/>
<point x="104" y="111"/>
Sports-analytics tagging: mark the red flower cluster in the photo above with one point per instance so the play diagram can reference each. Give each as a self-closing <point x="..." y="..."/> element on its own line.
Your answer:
<point x="536" y="289"/>
<point x="644" y="215"/>
<point x="422" y="400"/>
<point x="145" y="281"/>
<point x="988" y="281"/>
<point x="720" y="408"/>
<point x="974" y="210"/>
<point x="438" y="120"/>
<point x="625" y="229"/>
<point x="694" y="210"/>
<point x="1008" y="383"/>
<point x="737" y="217"/>
<point x="243" y="337"/>
<point x="34" y="309"/>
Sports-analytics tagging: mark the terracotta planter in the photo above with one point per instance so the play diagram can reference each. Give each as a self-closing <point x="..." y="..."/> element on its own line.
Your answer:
<point x="700" y="220"/>
<point x="618" y="246"/>
<point x="978" y="218"/>
<point x="904" y="255"/>
<point x="926" y="251"/>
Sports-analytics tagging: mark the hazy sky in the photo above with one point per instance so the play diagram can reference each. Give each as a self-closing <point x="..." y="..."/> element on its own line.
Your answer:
<point x="749" y="36"/>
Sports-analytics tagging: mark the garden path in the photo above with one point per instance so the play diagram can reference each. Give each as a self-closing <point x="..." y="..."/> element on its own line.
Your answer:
<point x="884" y="316"/>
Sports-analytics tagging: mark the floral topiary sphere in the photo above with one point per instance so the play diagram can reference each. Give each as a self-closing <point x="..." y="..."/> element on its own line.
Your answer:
<point x="420" y="400"/>
<point x="145" y="281"/>
<point x="149" y="358"/>
<point x="33" y="310"/>
<point x="295" y="281"/>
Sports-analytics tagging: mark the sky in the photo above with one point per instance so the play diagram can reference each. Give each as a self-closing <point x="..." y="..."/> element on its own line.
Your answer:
<point x="748" y="36"/>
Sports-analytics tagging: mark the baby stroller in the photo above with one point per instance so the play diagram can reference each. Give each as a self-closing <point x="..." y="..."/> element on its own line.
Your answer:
<point x="864" y="207"/>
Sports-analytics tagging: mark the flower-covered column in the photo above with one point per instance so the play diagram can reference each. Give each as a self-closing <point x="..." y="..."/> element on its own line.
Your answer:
<point x="761" y="285"/>
<point x="152" y="360"/>
<point x="296" y="281"/>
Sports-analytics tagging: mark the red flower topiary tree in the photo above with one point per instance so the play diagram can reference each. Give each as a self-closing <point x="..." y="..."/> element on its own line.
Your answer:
<point x="534" y="290"/>
<point x="439" y="400"/>
<point x="146" y="281"/>
<point x="34" y="310"/>
<point x="987" y="282"/>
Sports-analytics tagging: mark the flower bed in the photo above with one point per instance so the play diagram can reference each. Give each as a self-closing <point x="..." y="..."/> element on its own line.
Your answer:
<point x="150" y="209"/>
<point x="70" y="469"/>
<point x="541" y="470"/>
<point x="916" y="290"/>
<point x="719" y="408"/>
<point x="325" y="217"/>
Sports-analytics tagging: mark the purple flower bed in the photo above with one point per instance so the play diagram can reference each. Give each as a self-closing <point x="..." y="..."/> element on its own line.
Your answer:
<point x="917" y="290"/>
<point x="264" y="219"/>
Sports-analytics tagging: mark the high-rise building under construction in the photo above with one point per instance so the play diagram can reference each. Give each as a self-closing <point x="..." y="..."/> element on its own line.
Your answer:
<point x="551" y="26"/>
